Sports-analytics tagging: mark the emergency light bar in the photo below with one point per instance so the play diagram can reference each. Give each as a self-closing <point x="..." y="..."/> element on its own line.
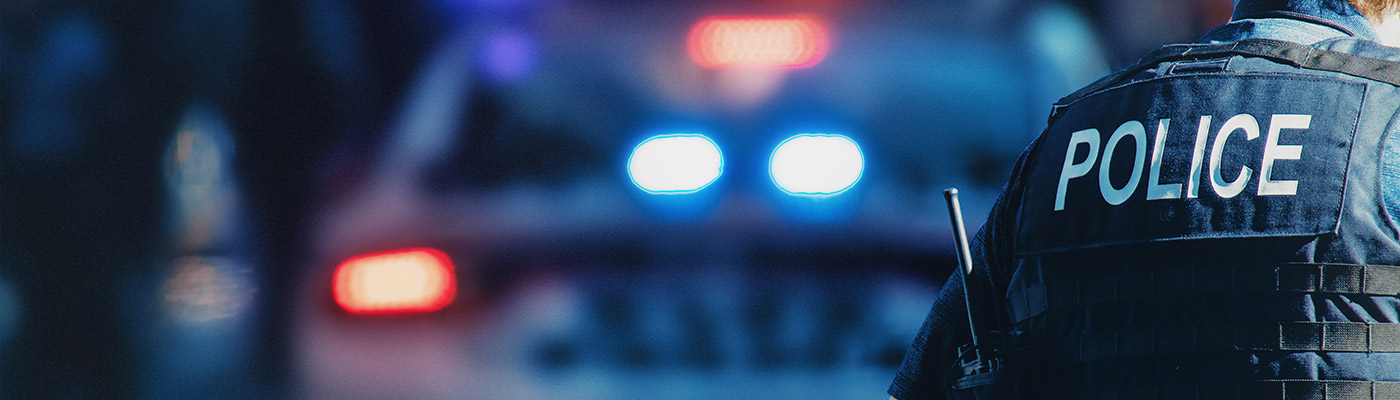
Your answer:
<point x="675" y="164"/>
<point x="813" y="164"/>
<point x="789" y="41"/>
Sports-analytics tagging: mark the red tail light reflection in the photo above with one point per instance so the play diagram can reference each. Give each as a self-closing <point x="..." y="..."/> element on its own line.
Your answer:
<point x="403" y="281"/>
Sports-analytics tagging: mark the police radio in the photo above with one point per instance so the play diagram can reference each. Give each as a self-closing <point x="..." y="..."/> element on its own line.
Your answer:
<point x="981" y="370"/>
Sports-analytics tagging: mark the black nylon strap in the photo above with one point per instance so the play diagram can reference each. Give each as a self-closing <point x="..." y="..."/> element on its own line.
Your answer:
<point x="1355" y="337"/>
<point x="1375" y="280"/>
<point x="1290" y="53"/>
<point x="1262" y="390"/>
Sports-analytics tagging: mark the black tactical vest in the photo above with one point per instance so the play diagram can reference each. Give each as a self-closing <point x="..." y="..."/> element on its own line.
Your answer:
<point x="1208" y="223"/>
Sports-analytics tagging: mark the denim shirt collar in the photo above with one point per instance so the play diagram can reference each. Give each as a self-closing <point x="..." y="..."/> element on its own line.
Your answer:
<point x="1278" y="28"/>
<point x="1335" y="14"/>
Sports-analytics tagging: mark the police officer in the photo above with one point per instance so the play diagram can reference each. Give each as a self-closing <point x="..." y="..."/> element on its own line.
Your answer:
<point x="1216" y="221"/>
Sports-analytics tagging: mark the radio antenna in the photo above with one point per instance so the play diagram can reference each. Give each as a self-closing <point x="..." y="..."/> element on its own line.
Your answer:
<point x="964" y="255"/>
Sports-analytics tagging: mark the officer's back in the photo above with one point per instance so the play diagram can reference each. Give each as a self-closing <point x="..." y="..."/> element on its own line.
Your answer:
<point x="1207" y="223"/>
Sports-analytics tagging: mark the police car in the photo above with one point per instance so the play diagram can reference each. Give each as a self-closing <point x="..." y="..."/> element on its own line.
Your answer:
<point x="661" y="201"/>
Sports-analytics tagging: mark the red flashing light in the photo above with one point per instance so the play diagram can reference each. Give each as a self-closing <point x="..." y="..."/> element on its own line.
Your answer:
<point x="403" y="281"/>
<point x="792" y="42"/>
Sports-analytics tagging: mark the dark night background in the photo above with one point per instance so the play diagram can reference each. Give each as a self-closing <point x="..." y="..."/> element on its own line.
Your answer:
<point x="177" y="179"/>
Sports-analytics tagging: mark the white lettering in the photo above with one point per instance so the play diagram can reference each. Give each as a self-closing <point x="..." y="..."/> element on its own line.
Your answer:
<point x="1274" y="151"/>
<point x="1211" y="167"/>
<point x="1116" y="196"/>
<point x="1154" y="173"/>
<point x="1225" y="189"/>
<point x="1072" y="170"/>
<point x="1194" y="180"/>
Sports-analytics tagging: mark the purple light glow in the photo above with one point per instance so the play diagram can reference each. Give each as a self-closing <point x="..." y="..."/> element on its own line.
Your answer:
<point x="508" y="56"/>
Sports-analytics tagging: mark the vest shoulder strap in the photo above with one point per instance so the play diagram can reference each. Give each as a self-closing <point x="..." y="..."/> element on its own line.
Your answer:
<point x="1285" y="52"/>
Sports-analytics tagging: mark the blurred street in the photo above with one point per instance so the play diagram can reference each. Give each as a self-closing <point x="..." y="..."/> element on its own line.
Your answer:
<point x="509" y="199"/>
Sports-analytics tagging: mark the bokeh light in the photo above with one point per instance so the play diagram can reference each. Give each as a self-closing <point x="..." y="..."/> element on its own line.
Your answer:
<point x="200" y="180"/>
<point x="415" y="280"/>
<point x="720" y="42"/>
<point x="675" y="164"/>
<point x="816" y="164"/>
<point x="509" y="55"/>
<point x="203" y="290"/>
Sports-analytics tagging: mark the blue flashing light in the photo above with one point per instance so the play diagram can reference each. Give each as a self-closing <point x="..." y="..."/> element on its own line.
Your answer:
<point x="812" y="164"/>
<point x="675" y="164"/>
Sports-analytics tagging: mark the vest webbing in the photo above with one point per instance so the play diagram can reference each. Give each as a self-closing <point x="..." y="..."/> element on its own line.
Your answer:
<point x="1285" y="52"/>
<point x="1353" y="337"/>
<point x="1378" y="280"/>
<point x="1262" y="390"/>
<point x="1100" y="348"/>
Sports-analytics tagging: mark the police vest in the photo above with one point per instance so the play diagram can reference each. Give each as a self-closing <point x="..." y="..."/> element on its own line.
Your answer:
<point x="1209" y="223"/>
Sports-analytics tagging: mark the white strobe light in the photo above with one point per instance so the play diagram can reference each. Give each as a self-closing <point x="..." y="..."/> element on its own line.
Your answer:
<point x="675" y="164"/>
<point x="816" y="164"/>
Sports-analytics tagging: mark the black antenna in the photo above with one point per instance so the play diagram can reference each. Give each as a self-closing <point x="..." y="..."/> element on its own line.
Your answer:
<point x="964" y="255"/>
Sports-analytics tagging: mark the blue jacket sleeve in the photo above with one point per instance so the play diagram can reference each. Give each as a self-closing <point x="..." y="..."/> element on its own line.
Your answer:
<point x="923" y="374"/>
